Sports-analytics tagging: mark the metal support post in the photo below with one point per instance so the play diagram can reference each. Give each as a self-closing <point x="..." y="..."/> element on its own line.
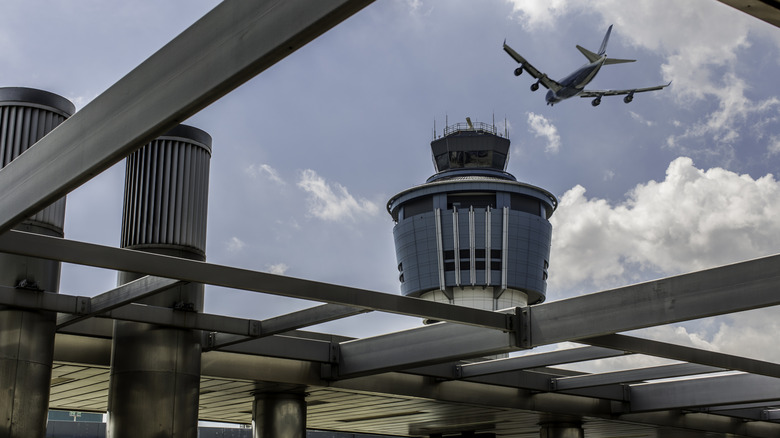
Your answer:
<point x="155" y="370"/>
<point x="27" y="336"/>
<point x="279" y="415"/>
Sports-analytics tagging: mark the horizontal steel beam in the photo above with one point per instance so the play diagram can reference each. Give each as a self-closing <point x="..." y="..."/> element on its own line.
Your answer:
<point x="46" y="301"/>
<point x="708" y="391"/>
<point x="285" y="323"/>
<point x="686" y="354"/>
<point x="122" y="259"/>
<point x="631" y="376"/>
<point x="228" y="46"/>
<point x="732" y="288"/>
<point x="418" y="347"/>
<point x="124" y="294"/>
<point x="571" y="355"/>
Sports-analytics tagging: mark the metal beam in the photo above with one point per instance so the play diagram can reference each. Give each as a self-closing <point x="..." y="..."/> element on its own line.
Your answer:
<point x="701" y="294"/>
<point x="228" y="46"/>
<point x="285" y="323"/>
<point x="687" y="354"/>
<point x="572" y="355"/>
<point x="48" y="301"/>
<point x="630" y="376"/>
<point x="124" y="294"/>
<point x="422" y="346"/>
<point x="121" y="259"/>
<point x="708" y="391"/>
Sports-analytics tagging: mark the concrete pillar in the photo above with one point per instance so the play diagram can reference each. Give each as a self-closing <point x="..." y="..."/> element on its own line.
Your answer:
<point x="279" y="415"/>
<point x="155" y="370"/>
<point x="561" y="430"/>
<point x="27" y="336"/>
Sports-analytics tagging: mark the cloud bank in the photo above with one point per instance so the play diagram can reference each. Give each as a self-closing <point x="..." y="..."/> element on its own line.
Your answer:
<point x="693" y="219"/>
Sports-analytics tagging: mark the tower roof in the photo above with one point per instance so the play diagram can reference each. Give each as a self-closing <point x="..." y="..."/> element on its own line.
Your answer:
<point x="470" y="149"/>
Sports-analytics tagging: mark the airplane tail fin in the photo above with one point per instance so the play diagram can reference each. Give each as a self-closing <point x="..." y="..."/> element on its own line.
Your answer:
<point x="592" y="57"/>
<point x="603" y="48"/>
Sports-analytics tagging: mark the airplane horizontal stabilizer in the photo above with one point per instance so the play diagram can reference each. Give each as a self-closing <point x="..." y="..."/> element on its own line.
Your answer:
<point x="617" y="61"/>
<point x="592" y="57"/>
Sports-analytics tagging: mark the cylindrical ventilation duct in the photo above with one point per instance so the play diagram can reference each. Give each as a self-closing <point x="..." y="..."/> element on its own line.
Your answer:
<point x="155" y="371"/>
<point x="27" y="336"/>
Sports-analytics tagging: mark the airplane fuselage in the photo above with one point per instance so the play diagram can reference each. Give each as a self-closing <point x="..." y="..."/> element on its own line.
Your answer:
<point x="575" y="83"/>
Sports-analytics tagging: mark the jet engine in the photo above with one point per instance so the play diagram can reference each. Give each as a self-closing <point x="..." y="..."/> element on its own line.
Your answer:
<point x="629" y="97"/>
<point x="518" y="71"/>
<point x="596" y="101"/>
<point x="535" y="86"/>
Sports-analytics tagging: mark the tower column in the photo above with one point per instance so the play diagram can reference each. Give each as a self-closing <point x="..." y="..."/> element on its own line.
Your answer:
<point x="27" y="336"/>
<point x="561" y="430"/>
<point x="279" y="415"/>
<point x="155" y="370"/>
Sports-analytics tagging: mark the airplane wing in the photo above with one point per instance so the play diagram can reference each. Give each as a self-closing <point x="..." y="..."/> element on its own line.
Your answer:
<point x="600" y="93"/>
<point x="525" y="65"/>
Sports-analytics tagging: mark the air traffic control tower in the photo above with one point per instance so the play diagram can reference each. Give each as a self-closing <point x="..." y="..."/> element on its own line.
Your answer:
<point x="472" y="235"/>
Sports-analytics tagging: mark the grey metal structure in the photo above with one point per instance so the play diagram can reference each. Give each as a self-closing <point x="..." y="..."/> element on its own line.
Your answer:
<point x="410" y="383"/>
<point x="27" y="335"/>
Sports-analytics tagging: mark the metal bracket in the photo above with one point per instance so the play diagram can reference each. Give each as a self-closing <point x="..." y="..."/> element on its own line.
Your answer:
<point x="457" y="371"/>
<point x="211" y="340"/>
<point x="184" y="306"/>
<point x="330" y="371"/>
<point x="255" y="328"/>
<point x="83" y="305"/>
<point x="523" y="327"/>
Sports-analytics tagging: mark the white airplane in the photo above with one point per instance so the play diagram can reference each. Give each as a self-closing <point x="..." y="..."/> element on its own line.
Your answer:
<point x="574" y="84"/>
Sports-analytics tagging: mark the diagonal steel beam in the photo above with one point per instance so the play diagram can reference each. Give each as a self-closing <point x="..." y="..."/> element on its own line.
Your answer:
<point x="686" y="354"/>
<point x="708" y="391"/>
<point x="572" y="355"/>
<point x="285" y="323"/>
<point x="700" y="294"/>
<point x="418" y="347"/>
<point x="122" y="259"/>
<point x="228" y="46"/>
<point x="630" y="376"/>
<point x="122" y="295"/>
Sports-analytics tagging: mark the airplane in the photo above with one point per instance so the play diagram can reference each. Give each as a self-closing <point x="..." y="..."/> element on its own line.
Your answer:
<point x="574" y="84"/>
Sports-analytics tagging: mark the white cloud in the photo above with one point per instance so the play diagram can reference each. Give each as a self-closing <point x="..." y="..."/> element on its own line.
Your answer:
<point x="639" y="118"/>
<point x="277" y="269"/>
<point x="264" y="170"/>
<point x="235" y="244"/>
<point x="774" y="145"/>
<point x="333" y="202"/>
<point x="537" y="13"/>
<point x="693" y="219"/>
<point x="609" y="175"/>
<point x="541" y="127"/>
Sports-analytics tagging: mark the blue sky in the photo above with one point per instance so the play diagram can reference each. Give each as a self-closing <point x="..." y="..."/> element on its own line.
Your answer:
<point x="306" y="155"/>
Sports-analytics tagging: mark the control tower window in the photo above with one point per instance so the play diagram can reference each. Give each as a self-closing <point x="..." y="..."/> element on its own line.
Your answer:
<point x="467" y="159"/>
<point x="499" y="160"/>
<point x="526" y="204"/>
<point x="418" y="206"/>
<point x="477" y="200"/>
